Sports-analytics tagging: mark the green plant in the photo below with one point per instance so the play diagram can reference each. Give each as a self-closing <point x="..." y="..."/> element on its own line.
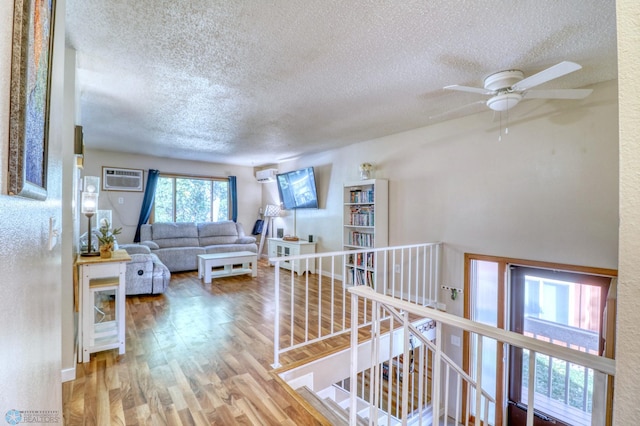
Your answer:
<point x="106" y="236"/>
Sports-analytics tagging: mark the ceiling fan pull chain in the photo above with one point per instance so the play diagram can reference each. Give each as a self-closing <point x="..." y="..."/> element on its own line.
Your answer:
<point x="506" y="129"/>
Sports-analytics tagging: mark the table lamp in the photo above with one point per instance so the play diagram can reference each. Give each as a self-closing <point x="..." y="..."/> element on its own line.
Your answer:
<point x="89" y="207"/>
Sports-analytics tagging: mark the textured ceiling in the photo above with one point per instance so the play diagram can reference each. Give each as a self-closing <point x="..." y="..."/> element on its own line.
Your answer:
<point x="253" y="82"/>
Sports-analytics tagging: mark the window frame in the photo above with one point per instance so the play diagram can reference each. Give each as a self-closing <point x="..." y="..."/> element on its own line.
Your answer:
<point x="211" y="180"/>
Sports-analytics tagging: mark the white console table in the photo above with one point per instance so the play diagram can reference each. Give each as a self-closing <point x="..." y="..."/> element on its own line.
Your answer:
<point x="101" y="297"/>
<point x="281" y="248"/>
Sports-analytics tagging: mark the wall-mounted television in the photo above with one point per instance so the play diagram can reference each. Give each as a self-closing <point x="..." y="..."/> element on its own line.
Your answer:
<point x="297" y="189"/>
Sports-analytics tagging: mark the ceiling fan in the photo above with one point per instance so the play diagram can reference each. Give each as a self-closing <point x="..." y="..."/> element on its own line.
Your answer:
<point x="507" y="88"/>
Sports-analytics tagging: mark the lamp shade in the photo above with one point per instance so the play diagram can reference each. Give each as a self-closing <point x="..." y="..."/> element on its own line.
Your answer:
<point x="89" y="203"/>
<point x="271" y="210"/>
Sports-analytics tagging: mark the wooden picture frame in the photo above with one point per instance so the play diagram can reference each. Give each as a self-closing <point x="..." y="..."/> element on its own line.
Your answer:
<point x="33" y="25"/>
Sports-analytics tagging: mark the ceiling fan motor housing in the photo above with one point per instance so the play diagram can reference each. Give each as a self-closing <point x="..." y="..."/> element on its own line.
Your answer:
<point x="503" y="79"/>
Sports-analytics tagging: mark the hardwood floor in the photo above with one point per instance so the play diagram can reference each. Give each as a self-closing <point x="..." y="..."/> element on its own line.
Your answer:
<point x="199" y="354"/>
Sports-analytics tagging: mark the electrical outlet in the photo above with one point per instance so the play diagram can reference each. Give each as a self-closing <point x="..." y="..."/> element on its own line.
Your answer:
<point x="120" y="200"/>
<point x="396" y="268"/>
<point x="455" y="340"/>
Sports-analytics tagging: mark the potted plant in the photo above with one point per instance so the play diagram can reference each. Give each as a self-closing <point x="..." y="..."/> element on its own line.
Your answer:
<point x="107" y="239"/>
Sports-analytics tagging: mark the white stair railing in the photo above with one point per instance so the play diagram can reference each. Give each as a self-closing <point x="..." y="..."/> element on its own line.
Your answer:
<point x="315" y="307"/>
<point x="416" y="402"/>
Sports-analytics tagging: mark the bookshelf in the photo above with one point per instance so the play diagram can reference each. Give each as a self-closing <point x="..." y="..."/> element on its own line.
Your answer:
<point x="366" y="225"/>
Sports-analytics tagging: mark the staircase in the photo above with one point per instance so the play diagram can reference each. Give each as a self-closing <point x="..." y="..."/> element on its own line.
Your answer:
<point x="395" y="370"/>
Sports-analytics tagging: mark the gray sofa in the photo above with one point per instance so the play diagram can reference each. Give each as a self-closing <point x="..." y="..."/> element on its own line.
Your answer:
<point x="146" y="274"/>
<point x="178" y="244"/>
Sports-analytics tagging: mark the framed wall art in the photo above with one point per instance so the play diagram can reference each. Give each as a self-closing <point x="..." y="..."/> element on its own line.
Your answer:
<point x="33" y="25"/>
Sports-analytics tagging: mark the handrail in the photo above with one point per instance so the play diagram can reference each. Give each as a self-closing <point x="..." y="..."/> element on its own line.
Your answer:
<point x="402" y="311"/>
<point x="597" y="363"/>
<point x="342" y="253"/>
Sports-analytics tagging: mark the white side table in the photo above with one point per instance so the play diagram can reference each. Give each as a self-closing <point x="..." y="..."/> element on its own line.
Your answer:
<point x="206" y="263"/>
<point x="280" y="248"/>
<point x="101" y="292"/>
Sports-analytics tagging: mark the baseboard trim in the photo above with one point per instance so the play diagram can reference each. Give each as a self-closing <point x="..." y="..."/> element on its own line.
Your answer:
<point x="68" y="374"/>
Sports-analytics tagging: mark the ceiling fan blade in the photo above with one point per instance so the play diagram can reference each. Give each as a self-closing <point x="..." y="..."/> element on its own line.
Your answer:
<point x="543" y="76"/>
<point x="454" y="110"/>
<point x="477" y="90"/>
<point x="557" y="94"/>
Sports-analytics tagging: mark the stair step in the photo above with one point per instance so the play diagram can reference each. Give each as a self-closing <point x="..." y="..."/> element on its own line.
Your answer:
<point x="335" y="417"/>
<point x="329" y="408"/>
<point x="336" y="406"/>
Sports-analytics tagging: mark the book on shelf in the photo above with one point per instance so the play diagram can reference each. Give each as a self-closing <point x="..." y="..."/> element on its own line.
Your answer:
<point x="362" y="216"/>
<point x="362" y="277"/>
<point x="361" y="196"/>
<point x="361" y="239"/>
<point x="361" y="260"/>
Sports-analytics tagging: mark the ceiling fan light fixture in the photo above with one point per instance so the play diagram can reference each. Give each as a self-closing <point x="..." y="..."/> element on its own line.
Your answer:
<point x="504" y="101"/>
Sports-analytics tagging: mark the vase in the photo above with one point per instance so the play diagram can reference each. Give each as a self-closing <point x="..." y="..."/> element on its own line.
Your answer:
<point x="365" y="174"/>
<point x="106" y="250"/>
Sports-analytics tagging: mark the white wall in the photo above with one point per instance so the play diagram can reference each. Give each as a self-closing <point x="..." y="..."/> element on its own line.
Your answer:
<point x="69" y="225"/>
<point x="31" y="274"/>
<point x="126" y="215"/>
<point x="627" y="385"/>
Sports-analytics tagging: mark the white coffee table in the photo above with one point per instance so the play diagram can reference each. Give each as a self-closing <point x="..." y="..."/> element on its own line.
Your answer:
<point x="206" y="263"/>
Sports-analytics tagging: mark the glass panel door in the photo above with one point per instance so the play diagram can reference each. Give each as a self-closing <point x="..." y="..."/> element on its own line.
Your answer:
<point x="562" y="308"/>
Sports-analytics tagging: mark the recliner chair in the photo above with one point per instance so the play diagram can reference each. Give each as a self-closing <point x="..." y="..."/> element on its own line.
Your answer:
<point x="146" y="274"/>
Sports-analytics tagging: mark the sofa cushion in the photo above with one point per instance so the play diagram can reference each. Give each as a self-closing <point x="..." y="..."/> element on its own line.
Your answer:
<point x="246" y="240"/>
<point x="136" y="248"/>
<point x="180" y="234"/>
<point x="150" y="244"/>
<point x="210" y="233"/>
<point x="228" y="248"/>
<point x="180" y="258"/>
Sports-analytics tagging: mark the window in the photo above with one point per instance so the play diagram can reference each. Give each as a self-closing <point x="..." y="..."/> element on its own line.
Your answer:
<point x="191" y="199"/>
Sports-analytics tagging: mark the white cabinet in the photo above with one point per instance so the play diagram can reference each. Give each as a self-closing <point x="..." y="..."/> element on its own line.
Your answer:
<point x="101" y="291"/>
<point x="365" y="225"/>
<point x="281" y="248"/>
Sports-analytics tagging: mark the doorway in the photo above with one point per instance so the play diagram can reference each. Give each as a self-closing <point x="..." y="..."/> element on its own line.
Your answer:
<point x="561" y="304"/>
<point x="567" y="309"/>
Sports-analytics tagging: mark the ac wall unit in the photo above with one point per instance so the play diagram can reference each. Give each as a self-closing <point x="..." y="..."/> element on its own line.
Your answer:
<point x="267" y="175"/>
<point x="114" y="179"/>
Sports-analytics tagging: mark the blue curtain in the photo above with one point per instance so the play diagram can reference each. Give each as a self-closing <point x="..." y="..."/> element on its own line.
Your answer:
<point x="233" y="189"/>
<point x="147" y="201"/>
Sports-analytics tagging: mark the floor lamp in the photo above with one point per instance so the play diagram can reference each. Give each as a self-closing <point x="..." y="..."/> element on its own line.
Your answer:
<point x="270" y="211"/>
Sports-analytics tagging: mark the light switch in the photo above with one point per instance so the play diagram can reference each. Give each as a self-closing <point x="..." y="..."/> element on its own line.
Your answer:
<point x="54" y="233"/>
<point x="120" y="200"/>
